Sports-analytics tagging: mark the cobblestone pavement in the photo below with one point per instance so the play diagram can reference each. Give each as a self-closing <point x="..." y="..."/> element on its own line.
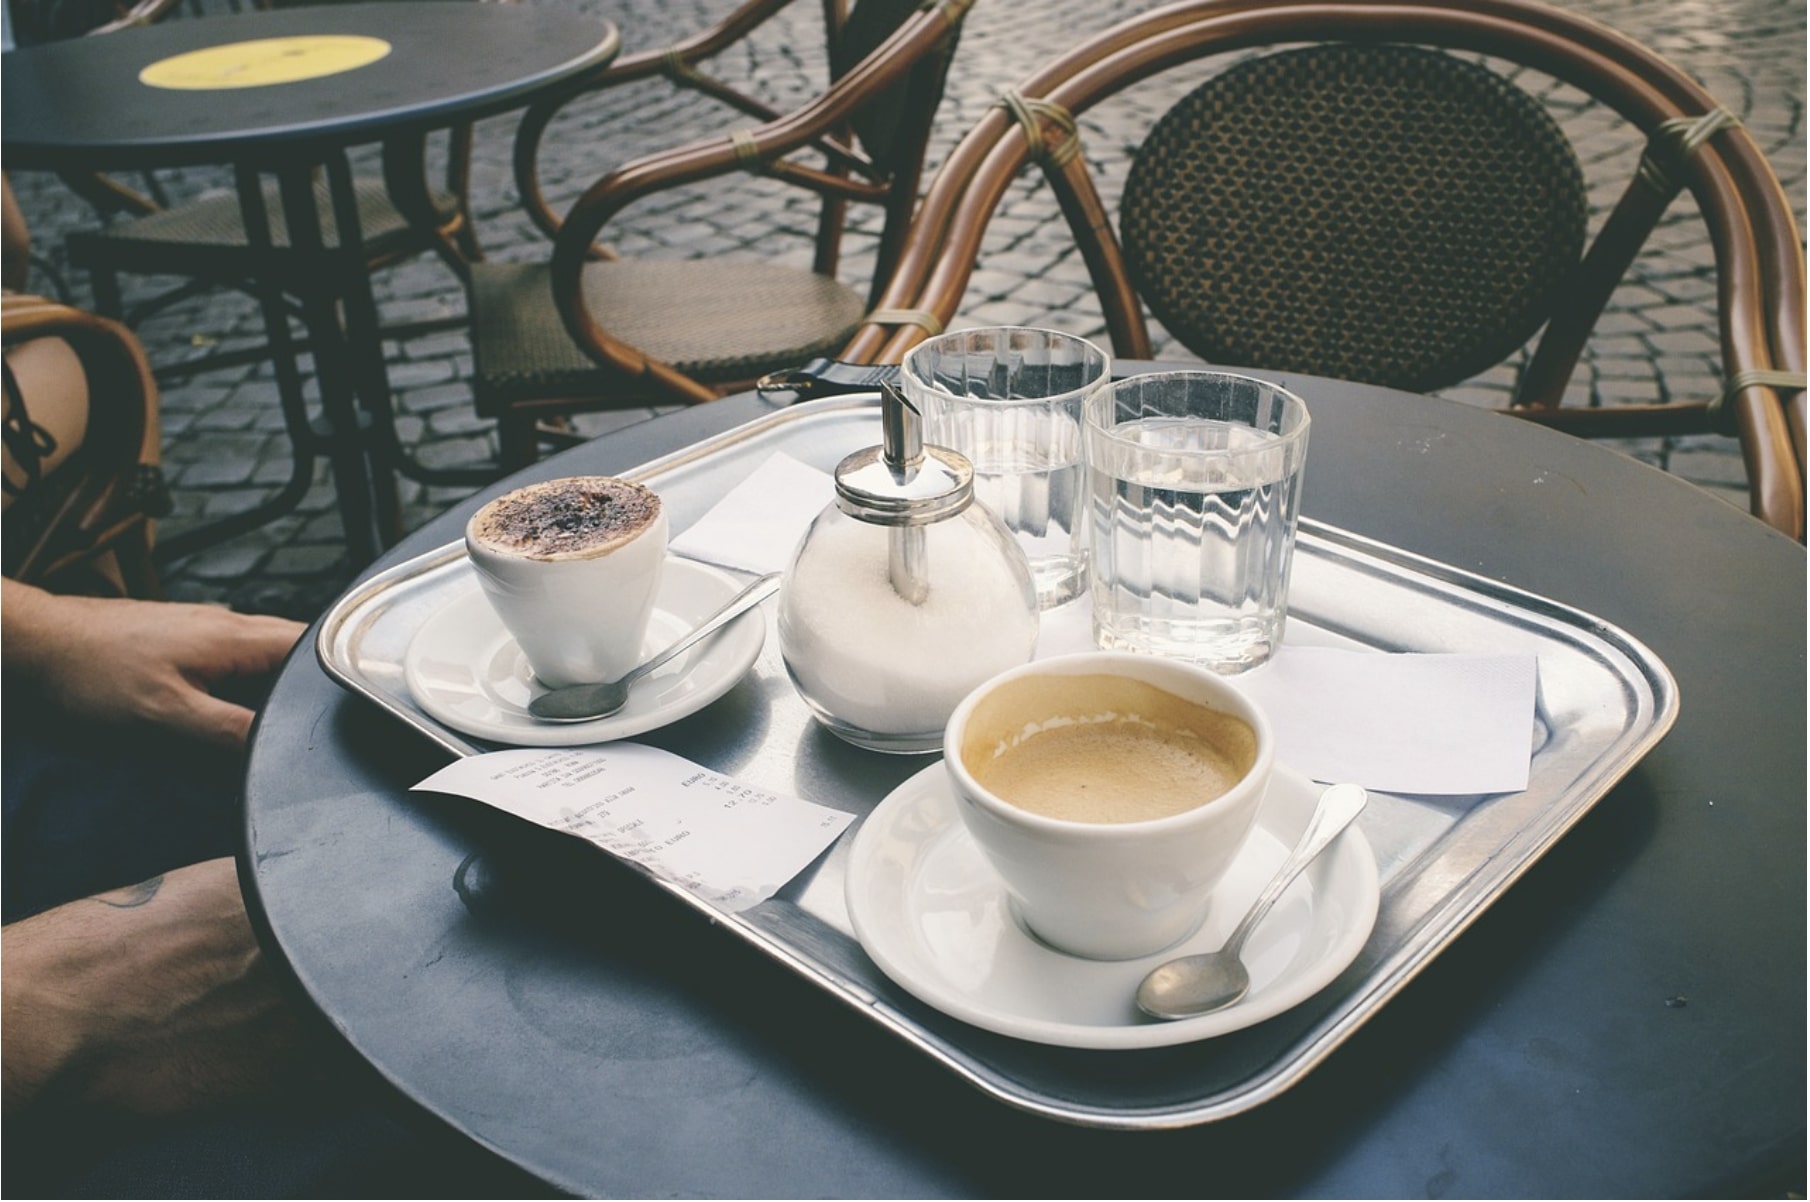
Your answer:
<point x="224" y="443"/>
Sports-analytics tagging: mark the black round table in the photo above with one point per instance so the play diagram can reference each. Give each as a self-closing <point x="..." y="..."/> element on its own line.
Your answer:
<point x="81" y="103"/>
<point x="1626" y="1020"/>
<point x="388" y="72"/>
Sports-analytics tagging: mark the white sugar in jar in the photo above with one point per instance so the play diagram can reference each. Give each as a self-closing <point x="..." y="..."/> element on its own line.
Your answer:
<point x="904" y="594"/>
<point x="881" y="671"/>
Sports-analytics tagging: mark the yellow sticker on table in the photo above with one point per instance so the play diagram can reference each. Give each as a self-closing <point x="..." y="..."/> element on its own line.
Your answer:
<point x="263" y="62"/>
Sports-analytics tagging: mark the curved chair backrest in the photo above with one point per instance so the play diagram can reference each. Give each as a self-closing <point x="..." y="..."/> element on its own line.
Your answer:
<point x="908" y="47"/>
<point x="1373" y="209"/>
<point x="84" y="525"/>
<point x="891" y="122"/>
<point x="1434" y="208"/>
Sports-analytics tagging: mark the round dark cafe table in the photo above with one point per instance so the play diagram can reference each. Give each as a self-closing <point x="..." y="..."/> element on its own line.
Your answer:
<point x="1627" y="1019"/>
<point x="137" y="98"/>
<point x="287" y="93"/>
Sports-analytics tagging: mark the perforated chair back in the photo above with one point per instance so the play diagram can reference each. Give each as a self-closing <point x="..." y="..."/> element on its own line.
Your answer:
<point x="1377" y="213"/>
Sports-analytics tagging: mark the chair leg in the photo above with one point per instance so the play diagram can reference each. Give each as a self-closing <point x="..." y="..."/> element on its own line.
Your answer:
<point x="386" y="500"/>
<point x="517" y="443"/>
<point x="107" y="299"/>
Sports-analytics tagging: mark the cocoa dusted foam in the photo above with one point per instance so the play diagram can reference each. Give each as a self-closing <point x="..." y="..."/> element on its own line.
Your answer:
<point x="574" y="518"/>
<point x="1104" y="749"/>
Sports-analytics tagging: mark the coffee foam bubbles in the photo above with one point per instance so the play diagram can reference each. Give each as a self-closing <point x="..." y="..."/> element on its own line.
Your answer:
<point x="1103" y="749"/>
<point x="577" y="517"/>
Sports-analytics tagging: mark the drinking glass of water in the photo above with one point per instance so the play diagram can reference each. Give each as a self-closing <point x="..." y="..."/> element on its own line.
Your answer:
<point x="1009" y="398"/>
<point x="1194" y="490"/>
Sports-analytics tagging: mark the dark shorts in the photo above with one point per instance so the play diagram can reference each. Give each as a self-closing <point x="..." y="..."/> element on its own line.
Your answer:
<point x="87" y="812"/>
<point x="93" y="812"/>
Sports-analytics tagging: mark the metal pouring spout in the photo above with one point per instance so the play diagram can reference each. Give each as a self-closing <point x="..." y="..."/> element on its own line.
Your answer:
<point x="902" y="450"/>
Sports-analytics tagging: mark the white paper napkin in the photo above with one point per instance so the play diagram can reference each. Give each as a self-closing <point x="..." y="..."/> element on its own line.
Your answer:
<point x="1402" y="723"/>
<point x="757" y="524"/>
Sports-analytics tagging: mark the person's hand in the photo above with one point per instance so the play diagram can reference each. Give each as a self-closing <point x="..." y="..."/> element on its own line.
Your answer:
<point x="141" y="661"/>
<point x="153" y="998"/>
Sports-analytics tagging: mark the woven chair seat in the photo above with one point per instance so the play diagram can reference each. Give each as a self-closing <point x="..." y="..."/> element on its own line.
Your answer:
<point x="214" y="222"/>
<point x="1266" y="222"/>
<point x="719" y="322"/>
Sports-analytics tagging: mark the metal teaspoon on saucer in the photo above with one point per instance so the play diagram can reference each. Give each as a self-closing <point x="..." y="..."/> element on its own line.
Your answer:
<point x="584" y="702"/>
<point x="1200" y="984"/>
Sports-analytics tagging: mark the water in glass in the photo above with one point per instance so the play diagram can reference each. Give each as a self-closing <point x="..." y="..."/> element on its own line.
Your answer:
<point x="1034" y="482"/>
<point x="1193" y="523"/>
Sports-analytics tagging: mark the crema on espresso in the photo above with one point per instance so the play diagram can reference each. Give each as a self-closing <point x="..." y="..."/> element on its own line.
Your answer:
<point x="572" y="518"/>
<point x="1104" y="749"/>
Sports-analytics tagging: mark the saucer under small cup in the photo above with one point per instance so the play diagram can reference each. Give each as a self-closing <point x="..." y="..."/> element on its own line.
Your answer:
<point x="465" y="671"/>
<point x="934" y="916"/>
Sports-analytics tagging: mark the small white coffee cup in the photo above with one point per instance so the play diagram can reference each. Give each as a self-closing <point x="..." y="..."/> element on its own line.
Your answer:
<point x="1108" y="743"/>
<point x="572" y="567"/>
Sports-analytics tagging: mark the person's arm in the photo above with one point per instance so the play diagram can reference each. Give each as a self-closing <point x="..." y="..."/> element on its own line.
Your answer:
<point x="138" y="661"/>
<point x="153" y="998"/>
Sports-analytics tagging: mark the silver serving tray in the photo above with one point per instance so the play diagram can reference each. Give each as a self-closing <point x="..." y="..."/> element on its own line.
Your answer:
<point x="1604" y="700"/>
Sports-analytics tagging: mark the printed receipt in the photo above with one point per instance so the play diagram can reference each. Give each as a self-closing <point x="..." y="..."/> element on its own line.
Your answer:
<point x="721" y="840"/>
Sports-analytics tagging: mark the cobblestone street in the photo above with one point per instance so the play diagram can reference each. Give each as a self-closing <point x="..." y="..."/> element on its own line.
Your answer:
<point x="225" y="446"/>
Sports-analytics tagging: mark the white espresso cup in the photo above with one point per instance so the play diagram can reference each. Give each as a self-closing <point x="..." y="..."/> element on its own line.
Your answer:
<point x="1111" y="791"/>
<point x="572" y="567"/>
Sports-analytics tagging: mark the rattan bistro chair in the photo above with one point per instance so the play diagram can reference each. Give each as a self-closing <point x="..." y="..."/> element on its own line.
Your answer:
<point x="1355" y="195"/>
<point x="588" y="330"/>
<point x="80" y="508"/>
<point x="82" y="480"/>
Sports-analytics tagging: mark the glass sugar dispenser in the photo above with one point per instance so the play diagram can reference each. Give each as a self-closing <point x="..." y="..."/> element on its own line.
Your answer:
<point x="904" y="594"/>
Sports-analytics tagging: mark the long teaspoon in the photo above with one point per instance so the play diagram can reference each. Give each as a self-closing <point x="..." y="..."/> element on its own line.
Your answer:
<point x="1210" y="981"/>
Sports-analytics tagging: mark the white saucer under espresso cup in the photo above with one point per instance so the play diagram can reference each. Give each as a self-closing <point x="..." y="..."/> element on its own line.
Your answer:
<point x="1148" y="773"/>
<point x="572" y="566"/>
